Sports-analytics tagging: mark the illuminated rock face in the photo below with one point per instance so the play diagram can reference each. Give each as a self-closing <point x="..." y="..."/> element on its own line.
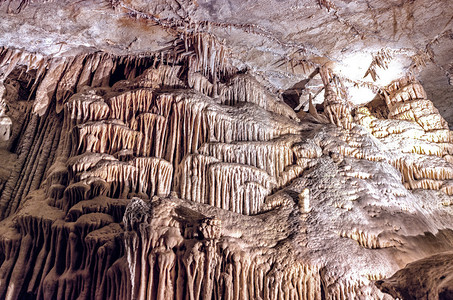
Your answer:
<point x="151" y="189"/>
<point x="176" y="174"/>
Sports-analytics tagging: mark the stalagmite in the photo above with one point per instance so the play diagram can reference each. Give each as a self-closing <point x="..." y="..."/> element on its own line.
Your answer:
<point x="304" y="201"/>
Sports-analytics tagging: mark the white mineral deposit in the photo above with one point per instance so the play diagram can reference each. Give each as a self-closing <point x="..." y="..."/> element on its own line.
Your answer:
<point x="210" y="149"/>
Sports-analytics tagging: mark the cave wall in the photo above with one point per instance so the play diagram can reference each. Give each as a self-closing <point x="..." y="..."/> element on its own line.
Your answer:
<point x="180" y="173"/>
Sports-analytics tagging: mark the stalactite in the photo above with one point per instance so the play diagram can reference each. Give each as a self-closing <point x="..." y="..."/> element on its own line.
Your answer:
<point x="81" y="163"/>
<point x="88" y="209"/>
<point x="62" y="77"/>
<point x="201" y="180"/>
<point x="407" y="100"/>
<point x="336" y="107"/>
<point x="32" y="164"/>
<point x="314" y="113"/>
<point x="254" y="125"/>
<point x="83" y="108"/>
<point x="8" y="192"/>
<point x="86" y="75"/>
<point x="191" y="177"/>
<point x="364" y="239"/>
<point x="308" y="149"/>
<point x="174" y="115"/>
<point x="243" y="88"/>
<point x="289" y="174"/>
<point x="105" y="137"/>
<point x="225" y="181"/>
<point x="124" y="106"/>
<point x="380" y="60"/>
<point x="210" y="56"/>
<point x="414" y="127"/>
<point x="200" y="83"/>
<point x="11" y="58"/>
<point x="164" y="76"/>
<point x="100" y="204"/>
<point x="62" y="257"/>
<point x="9" y="248"/>
<point x="257" y="154"/>
<point x="421" y="111"/>
<point x="185" y="128"/>
<point x="205" y="267"/>
<point x="147" y="175"/>
<point x="250" y="198"/>
<point x="154" y="132"/>
<point x="47" y="87"/>
<point x="103" y="71"/>
<point x="68" y="83"/>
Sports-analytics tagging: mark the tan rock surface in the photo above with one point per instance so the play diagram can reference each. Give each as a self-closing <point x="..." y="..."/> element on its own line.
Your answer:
<point x="151" y="154"/>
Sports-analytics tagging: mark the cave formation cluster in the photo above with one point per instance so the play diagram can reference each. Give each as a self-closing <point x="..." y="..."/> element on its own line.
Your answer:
<point x="176" y="175"/>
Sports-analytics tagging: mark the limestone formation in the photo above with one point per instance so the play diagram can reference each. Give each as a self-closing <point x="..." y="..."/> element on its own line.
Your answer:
<point x="429" y="277"/>
<point x="155" y="152"/>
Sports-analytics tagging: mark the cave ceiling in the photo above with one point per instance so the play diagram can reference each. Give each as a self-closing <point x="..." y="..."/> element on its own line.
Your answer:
<point x="276" y="40"/>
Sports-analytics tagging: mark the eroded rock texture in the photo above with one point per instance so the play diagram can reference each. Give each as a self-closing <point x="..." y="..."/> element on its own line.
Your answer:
<point x="180" y="174"/>
<point x="426" y="278"/>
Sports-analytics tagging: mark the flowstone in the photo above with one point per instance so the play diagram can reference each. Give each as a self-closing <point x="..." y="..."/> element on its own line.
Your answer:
<point x="180" y="177"/>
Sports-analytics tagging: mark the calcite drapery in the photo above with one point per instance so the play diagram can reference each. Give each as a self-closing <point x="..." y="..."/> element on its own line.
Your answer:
<point x="417" y="133"/>
<point x="191" y="187"/>
<point x="121" y="142"/>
